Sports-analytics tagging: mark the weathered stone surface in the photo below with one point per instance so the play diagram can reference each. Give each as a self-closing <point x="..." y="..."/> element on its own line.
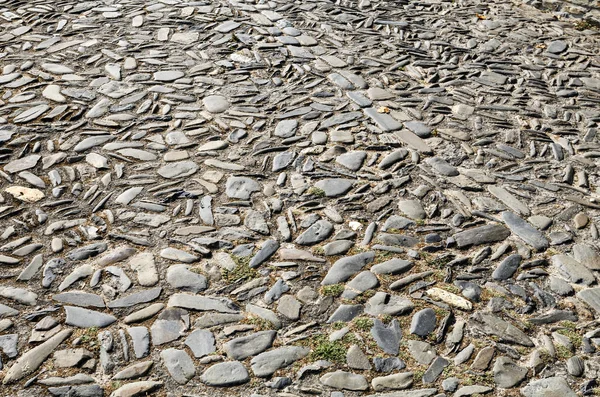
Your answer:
<point x="525" y="231"/>
<point x="230" y="373"/>
<point x="179" y="364"/>
<point x="265" y="364"/>
<point x="345" y="268"/>
<point x="251" y="345"/>
<point x="481" y="235"/>
<point x="507" y="373"/>
<point x="32" y="359"/>
<point x="493" y="325"/>
<point x="344" y="380"/>
<point x="244" y="185"/>
<point x="85" y="318"/>
<point x="548" y="387"/>
<point x="572" y="270"/>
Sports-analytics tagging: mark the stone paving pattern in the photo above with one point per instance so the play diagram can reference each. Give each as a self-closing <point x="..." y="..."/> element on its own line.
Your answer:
<point x="297" y="198"/>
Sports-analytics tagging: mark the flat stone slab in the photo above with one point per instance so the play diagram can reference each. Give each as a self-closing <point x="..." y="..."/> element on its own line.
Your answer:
<point x="481" y="235"/>
<point x="85" y="318"/>
<point x="525" y="231"/>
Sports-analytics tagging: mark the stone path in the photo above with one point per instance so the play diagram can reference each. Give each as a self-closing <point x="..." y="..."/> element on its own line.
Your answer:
<point x="273" y="198"/>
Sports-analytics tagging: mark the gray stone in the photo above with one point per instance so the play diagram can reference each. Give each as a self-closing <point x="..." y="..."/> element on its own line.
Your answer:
<point x="450" y="384"/>
<point x="168" y="75"/>
<point x="266" y="251"/>
<point x="255" y="221"/>
<point x="136" y="298"/>
<point x="412" y="209"/>
<point x="85" y="318"/>
<point x="134" y="371"/>
<point x="241" y="187"/>
<point x="87" y="251"/>
<point x="290" y="307"/>
<point x="141" y="340"/>
<point x="352" y="160"/>
<point x="419" y="128"/>
<point x="356" y="359"/>
<point x="345" y="268"/>
<point x="388" y="364"/>
<point x="481" y="235"/>
<point x="230" y="373"/>
<point x="201" y="342"/>
<point x="179" y="364"/>
<point x="344" y="380"/>
<point x="507" y="267"/>
<point x="71" y="357"/>
<point x="178" y="169"/>
<point x="83" y="299"/>
<point x="32" y="359"/>
<point x="215" y="103"/>
<point x="493" y="325"/>
<point x="384" y="121"/>
<point x="393" y="266"/>
<point x="435" y="369"/>
<point x="525" y="231"/>
<point x="19" y="295"/>
<point x="79" y="391"/>
<point x="387" y="338"/>
<point x="22" y="164"/>
<point x="384" y="303"/>
<point x="423" y="322"/>
<point x="572" y="270"/>
<point x="591" y="296"/>
<point x="334" y="187"/>
<point x="181" y="277"/>
<point x="471" y="390"/>
<point x="587" y="256"/>
<point x="509" y="200"/>
<point x="8" y="344"/>
<point x="316" y="233"/>
<point x="136" y="388"/>
<point x="441" y="166"/>
<point x="250" y="345"/>
<point x="363" y="281"/>
<point x="396" y="222"/>
<point x="286" y="128"/>
<point x="548" y="387"/>
<point x="393" y="158"/>
<point x="169" y="326"/>
<point x="178" y="255"/>
<point x="337" y="247"/>
<point x="422" y="352"/>
<point x="575" y="366"/>
<point x="345" y="313"/>
<point x="507" y="373"/>
<point x="556" y="47"/>
<point x="265" y="364"/>
<point x="398" y="381"/>
<point x="202" y="303"/>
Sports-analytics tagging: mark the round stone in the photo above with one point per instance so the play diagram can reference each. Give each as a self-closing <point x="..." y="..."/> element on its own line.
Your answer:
<point x="215" y="103"/>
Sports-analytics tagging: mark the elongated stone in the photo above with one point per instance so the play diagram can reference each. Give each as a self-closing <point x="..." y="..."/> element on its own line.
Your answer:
<point x="32" y="359"/>
<point x="481" y="235"/>
<point x="265" y="364"/>
<point x="509" y="200"/>
<point x="525" y="231"/>
<point x="84" y="318"/>
<point x="345" y="268"/>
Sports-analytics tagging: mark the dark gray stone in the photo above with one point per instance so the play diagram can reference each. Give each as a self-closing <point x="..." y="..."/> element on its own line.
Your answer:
<point x="423" y="322"/>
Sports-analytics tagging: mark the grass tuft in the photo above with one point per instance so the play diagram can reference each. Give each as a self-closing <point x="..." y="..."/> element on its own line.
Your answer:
<point x="241" y="271"/>
<point x="332" y="290"/>
<point x="324" y="349"/>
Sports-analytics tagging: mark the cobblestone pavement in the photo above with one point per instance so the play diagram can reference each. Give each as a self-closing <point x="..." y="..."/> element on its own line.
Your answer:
<point x="298" y="198"/>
